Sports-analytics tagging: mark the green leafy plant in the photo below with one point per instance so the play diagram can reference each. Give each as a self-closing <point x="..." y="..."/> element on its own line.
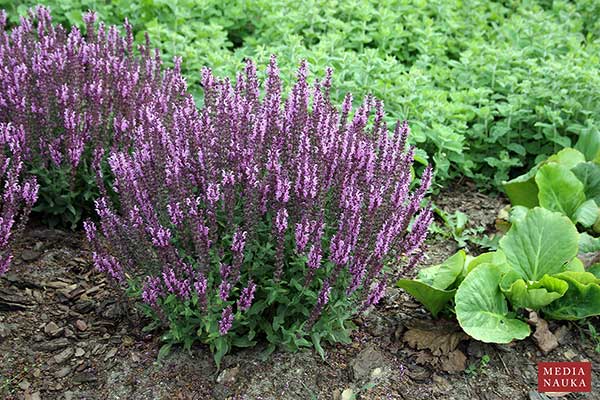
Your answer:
<point x="534" y="268"/>
<point x="567" y="182"/>
<point x="476" y="368"/>
<point x="590" y="331"/>
<point x="455" y="226"/>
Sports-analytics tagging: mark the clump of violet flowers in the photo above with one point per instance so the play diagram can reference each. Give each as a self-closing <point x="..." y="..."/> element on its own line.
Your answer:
<point x="17" y="194"/>
<point x="260" y="216"/>
<point x="77" y="96"/>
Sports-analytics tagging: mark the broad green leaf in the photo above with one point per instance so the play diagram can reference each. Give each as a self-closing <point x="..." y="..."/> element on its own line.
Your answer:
<point x="581" y="300"/>
<point x="481" y="308"/>
<point x="242" y="341"/>
<point x="533" y="295"/>
<point x="575" y="265"/>
<point x="589" y="174"/>
<point x="567" y="157"/>
<point x="522" y="190"/>
<point x="430" y="287"/>
<point x="587" y="213"/>
<point x="164" y="351"/>
<point x="542" y="243"/>
<point x="589" y="144"/>
<point x="221" y="347"/>
<point x="559" y="189"/>
<point x="517" y="213"/>
<point x="433" y="299"/>
<point x="493" y="257"/>
<point x="442" y="276"/>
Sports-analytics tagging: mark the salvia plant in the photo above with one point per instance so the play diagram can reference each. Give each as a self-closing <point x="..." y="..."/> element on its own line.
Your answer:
<point x="17" y="193"/>
<point x="259" y="217"/>
<point x="76" y="97"/>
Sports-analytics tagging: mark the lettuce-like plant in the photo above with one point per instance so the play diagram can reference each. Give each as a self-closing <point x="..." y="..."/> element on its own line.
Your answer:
<point x="258" y="217"/>
<point x="535" y="267"/>
<point x="17" y="193"/>
<point x="76" y="97"/>
<point x="567" y="182"/>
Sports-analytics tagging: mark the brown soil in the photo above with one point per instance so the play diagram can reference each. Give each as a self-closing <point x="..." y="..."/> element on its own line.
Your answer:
<point x="66" y="333"/>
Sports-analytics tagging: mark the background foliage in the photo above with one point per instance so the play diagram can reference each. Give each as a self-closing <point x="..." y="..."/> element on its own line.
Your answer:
<point x="487" y="86"/>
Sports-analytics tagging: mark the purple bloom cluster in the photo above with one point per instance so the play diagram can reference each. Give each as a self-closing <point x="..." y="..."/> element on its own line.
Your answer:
<point x="75" y="95"/>
<point x="17" y="195"/>
<point x="312" y="172"/>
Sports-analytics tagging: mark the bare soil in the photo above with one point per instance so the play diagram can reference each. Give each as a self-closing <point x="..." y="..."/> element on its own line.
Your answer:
<point x="66" y="333"/>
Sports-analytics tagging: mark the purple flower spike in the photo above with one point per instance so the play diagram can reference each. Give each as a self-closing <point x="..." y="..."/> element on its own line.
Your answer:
<point x="226" y="321"/>
<point x="245" y="300"/>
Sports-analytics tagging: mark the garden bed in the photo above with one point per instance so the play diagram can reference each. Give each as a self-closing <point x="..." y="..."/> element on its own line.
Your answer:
<point x="64" y="335"/>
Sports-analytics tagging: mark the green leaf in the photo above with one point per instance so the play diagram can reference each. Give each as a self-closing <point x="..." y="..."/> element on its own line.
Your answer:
<point x="533" y="295"/>
<point x="152" y="326"/>
<point x="595" y="269"/>
<point x="222" y="347"/>
<point x="267" y="352"/>
<point x="316" y="340"/>
<point x="429" y="288"/>
<point x="587" y="213"/>
<point x="522" y="190"/>
<point x="588" y="173"/>
<point x="588" y="243"/>
<point x="559" y="189"/>
<point x="589" y="144"/>
<point x="433" y="299"/>
<point x="482" y="311"/>
<point x="581" y="300"/>
<point x="567" y="157"/>
<point x="164" y="351"/>
<point x="517" y="213"/>
<point x="242" y="341"/>
<point x="442" y="276"/>
<point x="493" y="257"/>
<point x="541" y="243"/>
<point x="575" y="265"/>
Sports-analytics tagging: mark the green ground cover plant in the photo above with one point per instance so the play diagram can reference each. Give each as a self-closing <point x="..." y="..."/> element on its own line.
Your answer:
<point x="488" y="87"/>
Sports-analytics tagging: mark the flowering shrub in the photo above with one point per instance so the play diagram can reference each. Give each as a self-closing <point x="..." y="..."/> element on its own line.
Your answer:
<point x="258" y="217"/>
<point x="17" y="194"/>
<point x="76" y="97"/>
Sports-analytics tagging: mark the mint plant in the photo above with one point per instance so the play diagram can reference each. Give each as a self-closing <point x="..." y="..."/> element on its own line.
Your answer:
<point x="262" y="217"/>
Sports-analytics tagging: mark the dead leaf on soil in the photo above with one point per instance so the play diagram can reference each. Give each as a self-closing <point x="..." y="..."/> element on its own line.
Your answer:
<point x="439" y="342"/>
<point x="424" y="357"/>
<point x="455" y="361"/>
<point x="544" y="338"/>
